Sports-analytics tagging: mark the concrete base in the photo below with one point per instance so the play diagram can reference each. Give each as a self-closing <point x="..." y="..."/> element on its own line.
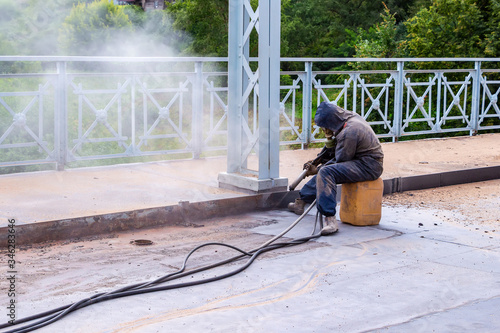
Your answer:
<point x="251" y="184"/>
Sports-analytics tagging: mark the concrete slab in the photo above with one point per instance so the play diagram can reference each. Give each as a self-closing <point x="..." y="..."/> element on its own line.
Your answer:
<point x="480" y="316"/>
<point x="397" y="277"/>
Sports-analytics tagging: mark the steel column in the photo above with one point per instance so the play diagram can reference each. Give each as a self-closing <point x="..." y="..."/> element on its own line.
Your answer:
<point x="235" y="84"/>
<point x="245" y="81"/>
<point x="262" y="84"/>
<point x="269" y="87"/>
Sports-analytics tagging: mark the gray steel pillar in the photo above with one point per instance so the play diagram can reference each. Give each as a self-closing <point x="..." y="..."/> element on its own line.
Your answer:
<point x="242" y="81"/>
<point x="269" y="88"/>
<point x="235" y="84"/>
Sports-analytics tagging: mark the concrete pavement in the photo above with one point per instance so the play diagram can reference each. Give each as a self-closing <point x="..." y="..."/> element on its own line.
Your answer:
<point x="415" y="272"/>
<point x="412" y="273"/>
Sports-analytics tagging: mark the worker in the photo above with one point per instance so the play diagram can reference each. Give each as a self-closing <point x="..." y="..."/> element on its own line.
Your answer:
<point x="358" y="157"/>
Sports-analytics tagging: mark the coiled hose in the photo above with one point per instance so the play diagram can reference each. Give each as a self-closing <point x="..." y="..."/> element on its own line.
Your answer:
<point x="51" y="316"/>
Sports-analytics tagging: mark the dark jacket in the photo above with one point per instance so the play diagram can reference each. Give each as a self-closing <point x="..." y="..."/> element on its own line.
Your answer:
<point x="356" y="140"/>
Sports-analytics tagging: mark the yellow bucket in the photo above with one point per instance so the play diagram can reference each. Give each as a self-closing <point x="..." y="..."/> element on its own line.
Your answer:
<point x="361" y="203"/>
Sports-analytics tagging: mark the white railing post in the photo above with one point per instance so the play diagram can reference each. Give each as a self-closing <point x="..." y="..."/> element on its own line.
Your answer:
<point x="307" y="105"/>
<point x="197" y="112"/>
<point x="476" y="91"/>
<point x="61" y="117"/>
<point x="398" y="101"/>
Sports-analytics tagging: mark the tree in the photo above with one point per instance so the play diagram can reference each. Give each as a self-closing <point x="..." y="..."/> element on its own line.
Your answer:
<point x="153" y="34"/>
<point x="382" y="40"/>
<point x="448" y="28"/>
<point x="492" y="38"/>
<point x="32" y="27"/>
<point x="308" y="28"/>
<point x="318" y="28"/>
<point x="95" y="29"/>
<point x="206" y="22"/>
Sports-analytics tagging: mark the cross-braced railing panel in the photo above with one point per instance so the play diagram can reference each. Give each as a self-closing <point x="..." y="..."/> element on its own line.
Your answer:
<point x="165" y="117"/>
<point x="290" y="118"/>
<point x="372" y="96"/>
<point x="368" y="94"/>
<point x="489" y="111"/>
<point x="215" y="112"/>
<point x="184" y="109"/>
<point x="27" y="120"/>
<point x="95" y="108"/>
<point x="437" y="102"/>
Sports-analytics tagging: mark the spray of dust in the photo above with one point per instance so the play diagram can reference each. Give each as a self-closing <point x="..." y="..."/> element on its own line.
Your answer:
<point x="34" y="28"/>
<point x="37" y="27"/>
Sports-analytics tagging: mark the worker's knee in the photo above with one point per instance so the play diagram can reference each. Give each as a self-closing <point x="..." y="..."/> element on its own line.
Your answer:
<point x="323" y="173"/>
<point x="328" y="174"/>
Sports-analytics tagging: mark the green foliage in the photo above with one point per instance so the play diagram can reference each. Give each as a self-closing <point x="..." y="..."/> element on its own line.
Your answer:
<point x="448" y="28"/>
<point x="380" y="41"/>
<point x="492" y="39"/>
<point x="90" y="29"/>
<point x="6" y="47"/>
<point x="312" y="28"/>
<point x="318" y="28"/>
<point x="32" y="26"/>
<point x="153" y="34"/>
<point x="206" y="22"/>
<point x="8" y="10"/>
<point x="309" y="28"/>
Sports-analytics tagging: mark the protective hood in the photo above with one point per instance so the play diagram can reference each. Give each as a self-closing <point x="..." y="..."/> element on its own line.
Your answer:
<point x="332" y="117"/>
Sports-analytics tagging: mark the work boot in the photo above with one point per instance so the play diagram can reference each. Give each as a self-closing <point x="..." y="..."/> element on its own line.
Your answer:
<point x="297" y="206"/>
<point x="330" y="227"/>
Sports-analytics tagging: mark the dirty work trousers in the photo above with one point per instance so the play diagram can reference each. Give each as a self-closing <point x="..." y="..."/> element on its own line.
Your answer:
<point x="323" y="186"/>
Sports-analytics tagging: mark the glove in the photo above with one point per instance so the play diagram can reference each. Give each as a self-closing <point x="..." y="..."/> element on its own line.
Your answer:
<point x="311" y="168"/>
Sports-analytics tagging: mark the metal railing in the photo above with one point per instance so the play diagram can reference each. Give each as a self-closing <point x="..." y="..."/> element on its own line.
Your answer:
<point x="64" y="109"/>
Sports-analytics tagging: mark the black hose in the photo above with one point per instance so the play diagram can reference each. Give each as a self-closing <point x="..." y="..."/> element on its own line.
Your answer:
<point x="52" y="316"/>
<point x="162" y="279"/>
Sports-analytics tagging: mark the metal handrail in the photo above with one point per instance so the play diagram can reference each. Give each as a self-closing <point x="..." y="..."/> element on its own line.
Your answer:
<point x="62" y="116"/>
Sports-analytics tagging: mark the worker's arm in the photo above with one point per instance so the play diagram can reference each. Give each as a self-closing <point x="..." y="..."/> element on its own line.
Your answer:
<point x="346" y="145"/>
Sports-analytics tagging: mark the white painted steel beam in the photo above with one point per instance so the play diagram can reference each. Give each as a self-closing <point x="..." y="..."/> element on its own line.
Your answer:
<point x="266" y="20"/>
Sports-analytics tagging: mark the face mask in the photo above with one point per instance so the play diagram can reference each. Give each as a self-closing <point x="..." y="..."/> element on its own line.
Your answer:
<point x="328" y="133"/>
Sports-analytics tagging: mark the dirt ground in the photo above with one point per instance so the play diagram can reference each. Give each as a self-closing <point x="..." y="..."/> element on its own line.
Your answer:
<point x="469" y="205"/>
<point x="60" y="268"/>
<point x="56" y="268"/>
<point x="52" y="195"/>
